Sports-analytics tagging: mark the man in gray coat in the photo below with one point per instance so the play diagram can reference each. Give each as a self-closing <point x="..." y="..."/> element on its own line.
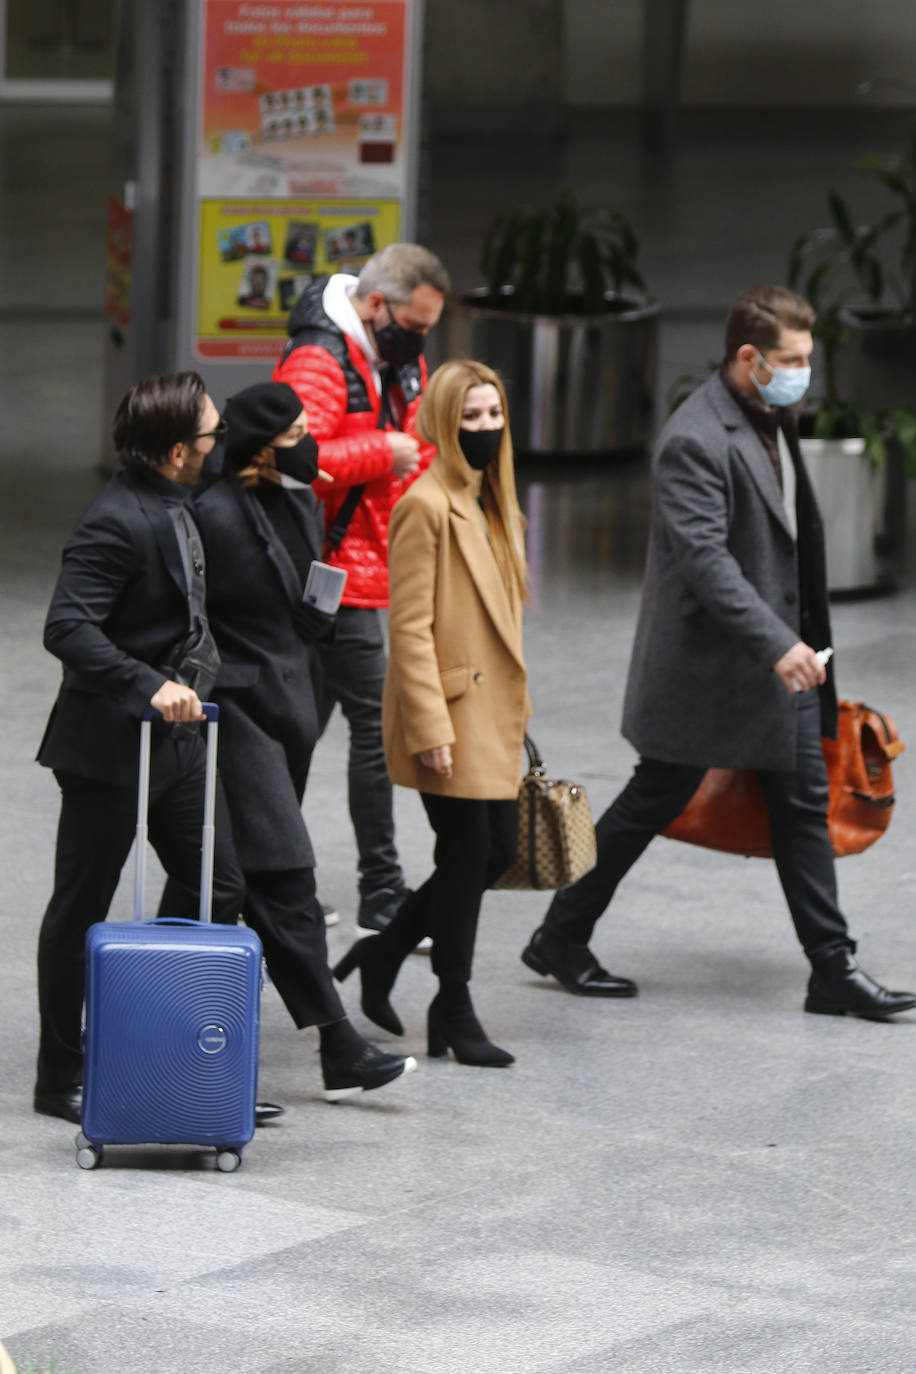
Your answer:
<point x="726" y="669"/>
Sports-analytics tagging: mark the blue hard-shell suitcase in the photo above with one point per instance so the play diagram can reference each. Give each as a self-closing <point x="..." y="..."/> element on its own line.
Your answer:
<point x="172" y="1012"/>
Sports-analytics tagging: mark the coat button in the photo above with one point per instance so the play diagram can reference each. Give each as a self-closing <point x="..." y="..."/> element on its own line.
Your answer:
<point x="791" y="598"/>
<point x="478" y="677"/>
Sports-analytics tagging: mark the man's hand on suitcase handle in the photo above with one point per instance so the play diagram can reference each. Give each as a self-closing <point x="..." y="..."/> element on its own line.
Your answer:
<point x="174" y="702"/>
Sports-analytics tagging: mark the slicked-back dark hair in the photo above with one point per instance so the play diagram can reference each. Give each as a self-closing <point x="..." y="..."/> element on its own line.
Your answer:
<point x="760" y="315"/>
<point x="155" y="415"/>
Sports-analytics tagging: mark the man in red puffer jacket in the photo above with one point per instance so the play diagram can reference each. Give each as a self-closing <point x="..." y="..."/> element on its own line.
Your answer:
<point x="355" y="358"/>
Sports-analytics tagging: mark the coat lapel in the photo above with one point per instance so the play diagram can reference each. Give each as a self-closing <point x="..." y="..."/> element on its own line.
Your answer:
<point x="751" y="450"/>
<point x="474" y="547"/>
<point x="280" y="560"/>
<point x="157" y="514"/>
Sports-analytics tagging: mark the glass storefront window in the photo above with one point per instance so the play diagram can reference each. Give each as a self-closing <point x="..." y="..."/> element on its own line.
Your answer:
<point x="58" y="40"/>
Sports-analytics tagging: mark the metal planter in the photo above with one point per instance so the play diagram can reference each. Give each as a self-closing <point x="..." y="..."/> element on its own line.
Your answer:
<point x="577" y="384"/>
<point x="861" y="504"/>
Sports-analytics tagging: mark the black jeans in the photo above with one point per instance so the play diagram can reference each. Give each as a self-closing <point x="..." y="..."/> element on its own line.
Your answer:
<point x="95" y="832"/>
<point x="658" y="792"/>
<point x="351" y="671"/>
<point x="475" y="843"/>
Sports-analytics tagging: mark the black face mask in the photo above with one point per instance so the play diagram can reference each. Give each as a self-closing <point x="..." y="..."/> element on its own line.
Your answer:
<point x="215" y="461"/>
<point x="301" y="462"/>
<point x="480" y="446"/>
<point x="397" y="345"/>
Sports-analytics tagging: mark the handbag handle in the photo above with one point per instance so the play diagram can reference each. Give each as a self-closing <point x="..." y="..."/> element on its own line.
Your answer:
<point x="535" y="762"/>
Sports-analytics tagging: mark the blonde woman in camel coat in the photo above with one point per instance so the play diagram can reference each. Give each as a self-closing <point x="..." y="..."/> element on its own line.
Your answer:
<point x="455" y="702"/>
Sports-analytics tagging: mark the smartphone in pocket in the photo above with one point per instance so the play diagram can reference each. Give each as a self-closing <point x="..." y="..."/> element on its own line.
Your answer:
<point x="324" y="587"/>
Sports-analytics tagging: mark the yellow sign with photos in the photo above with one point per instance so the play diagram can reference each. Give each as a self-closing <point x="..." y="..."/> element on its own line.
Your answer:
<point x="257" y="256"/>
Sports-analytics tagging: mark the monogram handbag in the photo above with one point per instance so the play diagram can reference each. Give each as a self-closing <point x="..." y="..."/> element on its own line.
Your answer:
<point x="728" y="812"/>
<point x="556" y="834"/>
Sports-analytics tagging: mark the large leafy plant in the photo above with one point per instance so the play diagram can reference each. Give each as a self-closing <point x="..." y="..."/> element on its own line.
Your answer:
<point x="876" y="261"/>
<point x="565" y="259"/>
<point x="871" y="270"/>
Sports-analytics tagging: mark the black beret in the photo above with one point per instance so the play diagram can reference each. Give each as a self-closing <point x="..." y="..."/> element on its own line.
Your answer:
<point x="254" y="417"/>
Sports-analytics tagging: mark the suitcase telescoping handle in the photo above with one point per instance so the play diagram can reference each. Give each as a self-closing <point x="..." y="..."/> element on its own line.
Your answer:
<point x="211" y="714"/>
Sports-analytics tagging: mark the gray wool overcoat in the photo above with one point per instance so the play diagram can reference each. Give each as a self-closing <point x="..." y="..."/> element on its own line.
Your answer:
<point x="722" y="596"/>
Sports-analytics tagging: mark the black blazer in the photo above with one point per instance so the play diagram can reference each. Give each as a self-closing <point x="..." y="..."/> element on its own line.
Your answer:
<point x="119" y="606"/>
<point x="268" y="720"/>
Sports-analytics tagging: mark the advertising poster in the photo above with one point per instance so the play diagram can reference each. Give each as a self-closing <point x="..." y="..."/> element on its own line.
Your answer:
<point x="303" y="155"/>
<point x="256" y="257"/>
<point x="304" y="100"/>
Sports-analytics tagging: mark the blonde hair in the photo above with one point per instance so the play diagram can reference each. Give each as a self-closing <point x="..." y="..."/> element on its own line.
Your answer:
<point x="438" y="422"/>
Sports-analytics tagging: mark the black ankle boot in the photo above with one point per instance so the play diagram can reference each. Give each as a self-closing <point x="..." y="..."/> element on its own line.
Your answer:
<point x="377" y="972"/>
<point x="350" y="1064"/>
<point x="452" y="1025"/>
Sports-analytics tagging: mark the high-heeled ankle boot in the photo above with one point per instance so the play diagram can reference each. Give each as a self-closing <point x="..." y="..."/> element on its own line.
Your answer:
<point x="452" y="1025"/>
<point x="377" y="972"/>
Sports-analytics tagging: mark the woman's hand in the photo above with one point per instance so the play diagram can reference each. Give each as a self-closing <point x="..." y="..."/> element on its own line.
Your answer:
<point x="439" y="760"/>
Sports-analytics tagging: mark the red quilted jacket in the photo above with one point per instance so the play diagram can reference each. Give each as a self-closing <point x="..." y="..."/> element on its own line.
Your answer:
<point x="329" y="372"/>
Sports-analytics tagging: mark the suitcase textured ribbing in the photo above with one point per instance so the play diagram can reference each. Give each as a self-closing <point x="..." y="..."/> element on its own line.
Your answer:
<point x="172" y="1014"/>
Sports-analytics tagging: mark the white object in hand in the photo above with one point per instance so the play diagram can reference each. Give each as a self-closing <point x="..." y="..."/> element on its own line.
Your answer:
<point x="324" y="587"/>
<point x="823" y="657"/>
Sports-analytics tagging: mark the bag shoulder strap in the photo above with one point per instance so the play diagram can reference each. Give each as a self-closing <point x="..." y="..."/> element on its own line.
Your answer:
<point x="335" y="535"/>
<point x="338" y="530"/>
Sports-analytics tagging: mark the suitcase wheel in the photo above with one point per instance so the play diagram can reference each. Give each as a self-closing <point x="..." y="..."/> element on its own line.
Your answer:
<point x="87" y="1157"/>
<point x="226" y="1161"/>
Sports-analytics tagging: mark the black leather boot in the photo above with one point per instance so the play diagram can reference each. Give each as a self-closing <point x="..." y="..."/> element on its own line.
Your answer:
<point x="377" y="972"/>
<point x="838" y="987"/>
<point x="452" y="1025"/>
<point x="350" y="1064"/>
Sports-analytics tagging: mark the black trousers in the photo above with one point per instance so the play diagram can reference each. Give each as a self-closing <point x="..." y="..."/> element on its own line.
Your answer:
<point x="95" y="832"/>
<point x="281" y="906"/>
<point x="658" y="792"/>
<point x="351" y="671"/>
<point x="475" y="843"/>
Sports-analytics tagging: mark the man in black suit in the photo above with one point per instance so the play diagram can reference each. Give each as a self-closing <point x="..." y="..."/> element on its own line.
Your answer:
<point x="127" y="620"/>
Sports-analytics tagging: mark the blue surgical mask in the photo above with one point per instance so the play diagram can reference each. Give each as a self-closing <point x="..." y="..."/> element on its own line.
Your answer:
<point x="786" y="385"/>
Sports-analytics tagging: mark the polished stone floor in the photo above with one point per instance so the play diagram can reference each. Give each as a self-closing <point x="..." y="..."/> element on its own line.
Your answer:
<point x="700" y="1181"/>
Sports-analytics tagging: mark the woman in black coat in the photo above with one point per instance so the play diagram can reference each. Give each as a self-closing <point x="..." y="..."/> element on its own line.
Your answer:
<point x="260" y="537"/>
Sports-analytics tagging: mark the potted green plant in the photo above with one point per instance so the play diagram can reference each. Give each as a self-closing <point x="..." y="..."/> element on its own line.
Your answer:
<point x="860" y="440"/>
<point x="566" y="320"/>
<point x="861" y="278"/>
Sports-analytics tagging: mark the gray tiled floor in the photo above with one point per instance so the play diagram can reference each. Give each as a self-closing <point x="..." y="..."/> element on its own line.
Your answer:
<point x="702" y="1181"/>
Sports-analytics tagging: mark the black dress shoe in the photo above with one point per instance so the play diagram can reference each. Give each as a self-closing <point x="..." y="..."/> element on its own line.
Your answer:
<point x="267" y="1111"/>
<point x="575" y="967"/>
<point x="67" y="1104"/>
<point x="838" y="987"/>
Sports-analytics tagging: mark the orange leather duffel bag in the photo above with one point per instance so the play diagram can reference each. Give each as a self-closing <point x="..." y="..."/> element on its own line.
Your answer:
<point x="728" y="812"/>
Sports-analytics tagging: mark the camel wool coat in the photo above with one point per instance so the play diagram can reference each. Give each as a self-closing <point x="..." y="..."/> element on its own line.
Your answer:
<point x="456" y="673"/>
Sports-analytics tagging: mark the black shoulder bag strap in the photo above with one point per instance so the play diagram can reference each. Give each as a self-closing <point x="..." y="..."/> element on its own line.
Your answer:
<point x="336" y="533"/>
